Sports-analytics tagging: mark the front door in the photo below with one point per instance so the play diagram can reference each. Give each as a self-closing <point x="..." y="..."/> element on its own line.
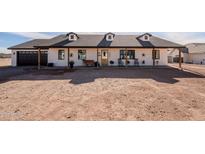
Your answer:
<point x="104" y="59"/>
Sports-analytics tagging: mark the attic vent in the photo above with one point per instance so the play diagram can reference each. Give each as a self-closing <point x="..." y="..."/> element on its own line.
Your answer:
<point x="110" y="36"/>
<point x="146" y="37"/>
<point x="72" y="36"/>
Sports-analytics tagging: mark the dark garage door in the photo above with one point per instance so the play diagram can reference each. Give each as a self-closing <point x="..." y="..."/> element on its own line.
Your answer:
<point x="30" y="58"/>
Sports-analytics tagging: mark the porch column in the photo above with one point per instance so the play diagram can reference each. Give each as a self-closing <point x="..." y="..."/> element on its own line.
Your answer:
<point x="126" y="60"/>
<point x="39" y="59"/>
<point x="153" y="56"/>
<point x="97" y="58"/>
<point x="180" y="58"/>
<point x="68" y="57"/>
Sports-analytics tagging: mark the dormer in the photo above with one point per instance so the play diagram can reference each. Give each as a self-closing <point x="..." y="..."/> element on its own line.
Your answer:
<point x="72" y="36"/>
<point x="145" y="37"/>
<point x="109" y="36"/>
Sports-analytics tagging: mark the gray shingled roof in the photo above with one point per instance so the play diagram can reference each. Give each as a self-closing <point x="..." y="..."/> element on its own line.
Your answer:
<point x="99" y="41"/>
<point x="29" y="44"/>
<point x="195" y="48"/>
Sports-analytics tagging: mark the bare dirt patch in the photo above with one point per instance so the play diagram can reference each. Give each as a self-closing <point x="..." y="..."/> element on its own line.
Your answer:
<point x="5" y="62"/>
<point x="105" y="94"/>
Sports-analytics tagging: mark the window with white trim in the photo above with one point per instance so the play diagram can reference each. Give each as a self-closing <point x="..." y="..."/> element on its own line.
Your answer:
<point x="146" y="37"/>
<point x="109" y="37"/>
<point x="72" y="37"/>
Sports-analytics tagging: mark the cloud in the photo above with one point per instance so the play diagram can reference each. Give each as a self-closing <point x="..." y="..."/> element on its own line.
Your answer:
<point x="4" y="50"/>
<point x="33" y="35"/>
<point x="184" y="37"/>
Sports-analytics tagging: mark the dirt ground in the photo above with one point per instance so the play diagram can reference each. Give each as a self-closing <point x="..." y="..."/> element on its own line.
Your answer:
<point x="5" y="62"/>
<point x="105" y="94"/>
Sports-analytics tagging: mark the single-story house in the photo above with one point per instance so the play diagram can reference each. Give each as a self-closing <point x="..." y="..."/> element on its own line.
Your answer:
<point x="194" y="53"/>
<point x="101" y="50"/>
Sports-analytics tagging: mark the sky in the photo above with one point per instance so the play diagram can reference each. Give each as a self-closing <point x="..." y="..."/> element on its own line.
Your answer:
<point x="8" y="39"/>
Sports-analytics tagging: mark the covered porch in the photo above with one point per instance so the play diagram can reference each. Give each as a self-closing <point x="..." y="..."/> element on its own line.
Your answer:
<point x="103" y="57"/>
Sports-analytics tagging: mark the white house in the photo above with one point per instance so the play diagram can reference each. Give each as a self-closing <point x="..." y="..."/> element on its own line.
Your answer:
<point x="195" y="53"/>
<point x="89" y="50"/>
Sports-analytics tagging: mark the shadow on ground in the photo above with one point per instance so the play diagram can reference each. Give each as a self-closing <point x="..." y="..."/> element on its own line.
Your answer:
<point x="81" y="76"/>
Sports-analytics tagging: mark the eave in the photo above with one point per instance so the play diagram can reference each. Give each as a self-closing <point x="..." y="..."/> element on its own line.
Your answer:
<point x="43" y="47"/>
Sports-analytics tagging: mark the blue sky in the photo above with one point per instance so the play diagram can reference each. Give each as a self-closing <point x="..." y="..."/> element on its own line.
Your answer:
<point x="8" y="39"/>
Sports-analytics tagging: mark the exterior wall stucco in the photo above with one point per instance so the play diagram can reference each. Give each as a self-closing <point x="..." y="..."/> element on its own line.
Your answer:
<point x="197" y="58"/>
<point x="187" y="58"/>
<point x="53" y="57"/>
<point x="113" y="55"/>
<point x="91" y="54"/>
<point x="13" y="58"/>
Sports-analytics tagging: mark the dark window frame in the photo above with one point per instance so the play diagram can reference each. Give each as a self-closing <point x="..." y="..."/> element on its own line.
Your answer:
<point x="81" y="51"/>
<point x="156" y="54"/>
<point x="130" y="54"/>
<point x="61" y="54"/>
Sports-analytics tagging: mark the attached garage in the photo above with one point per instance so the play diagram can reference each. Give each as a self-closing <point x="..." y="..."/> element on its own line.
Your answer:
<point x="26" y="54"/>
<point x="30" y="58"/>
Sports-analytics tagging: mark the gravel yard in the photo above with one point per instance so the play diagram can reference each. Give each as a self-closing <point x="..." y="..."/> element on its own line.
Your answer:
<point x="105" y="94"/>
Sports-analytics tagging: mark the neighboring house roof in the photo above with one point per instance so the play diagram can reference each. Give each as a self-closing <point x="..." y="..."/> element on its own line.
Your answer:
<point x="195" y="48"/>
<point x="174" y="53"/>
<point x="122" y="41"/>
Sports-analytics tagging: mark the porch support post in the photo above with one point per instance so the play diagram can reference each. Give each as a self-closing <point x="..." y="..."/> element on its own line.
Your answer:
<point x="180" y="58"/>
<point x="153" y="56"/>
<point x="126" y="60"/>
<point x="97" y="58"/>
<point x="68" y="57"/>
<point x="39" y="59"/>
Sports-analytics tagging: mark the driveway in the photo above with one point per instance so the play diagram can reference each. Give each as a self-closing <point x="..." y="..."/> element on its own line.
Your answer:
<point x="8" y="71"/>
<point x="200" y="69"/>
